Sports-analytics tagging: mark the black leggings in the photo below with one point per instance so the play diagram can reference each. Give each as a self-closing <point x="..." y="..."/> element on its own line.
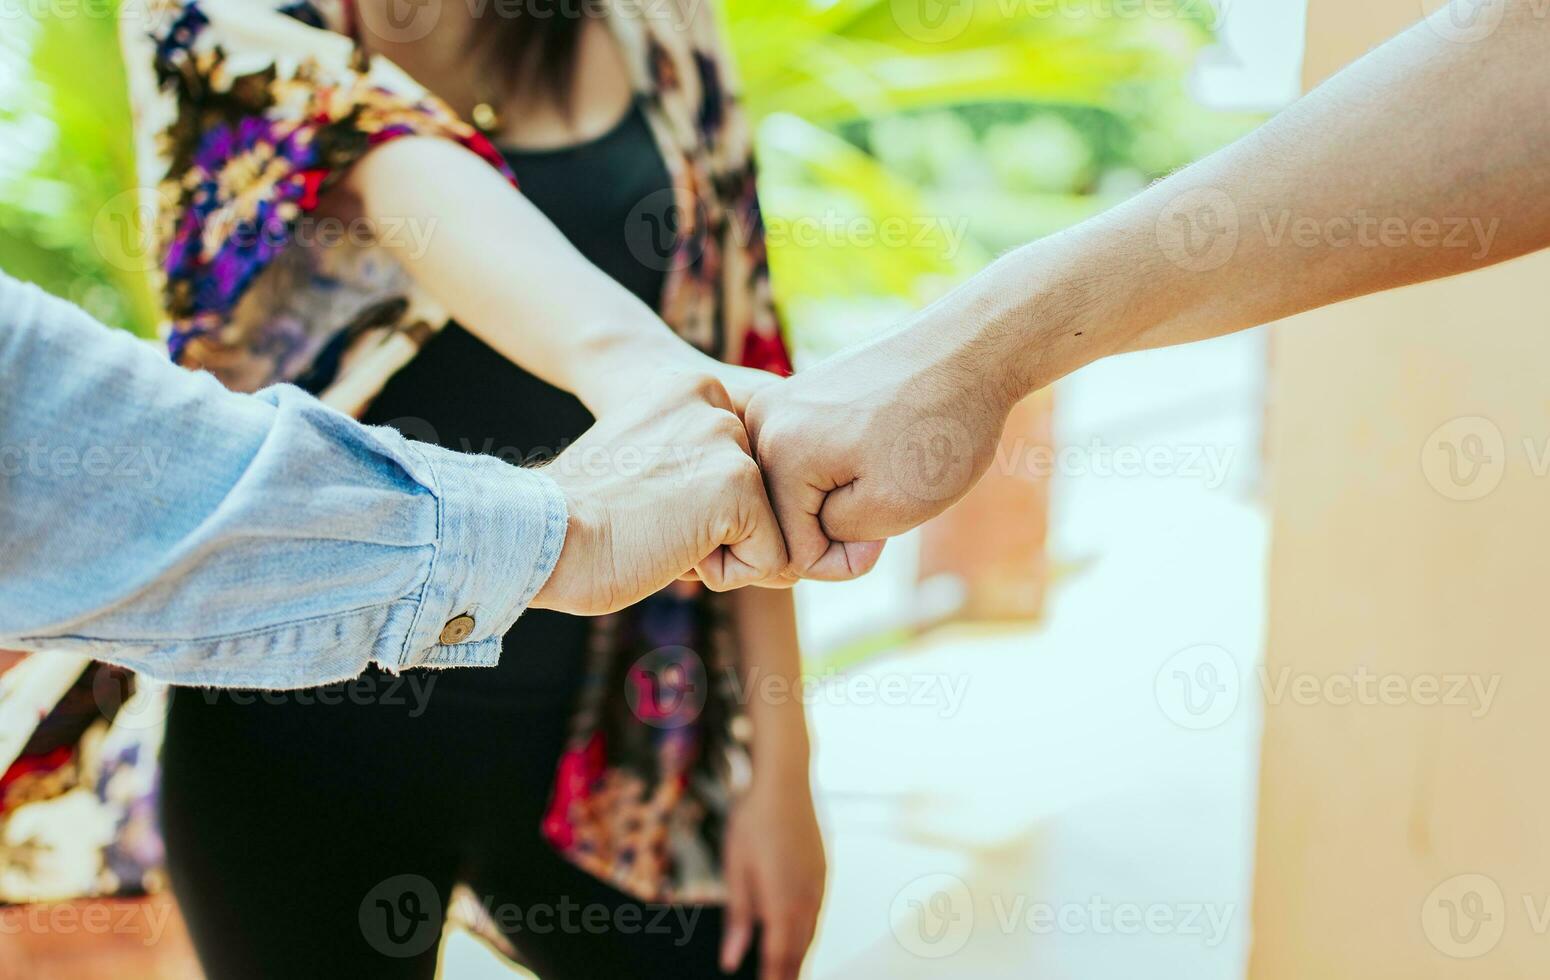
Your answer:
<point x="308" y="839"/>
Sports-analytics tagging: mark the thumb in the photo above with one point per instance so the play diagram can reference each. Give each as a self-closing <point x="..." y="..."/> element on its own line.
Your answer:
<point x="796" y="493"/>
<point x="849" y="515"/>
<point x="737" y="926"/>
<point x="856" y="528"/>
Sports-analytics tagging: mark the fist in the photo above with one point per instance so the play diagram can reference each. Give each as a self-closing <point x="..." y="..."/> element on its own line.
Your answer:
<point x="659" y="489"/>
<point x="869" y="444"/>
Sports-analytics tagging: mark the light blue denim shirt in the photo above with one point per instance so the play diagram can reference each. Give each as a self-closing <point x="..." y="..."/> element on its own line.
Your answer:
<point x="151" y="518"/>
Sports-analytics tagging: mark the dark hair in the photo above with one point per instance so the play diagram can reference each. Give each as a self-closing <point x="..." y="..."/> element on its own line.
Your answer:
<point x="532" y="42"/>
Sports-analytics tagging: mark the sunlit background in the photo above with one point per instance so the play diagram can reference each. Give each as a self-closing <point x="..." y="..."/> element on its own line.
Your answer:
<point x="1040" y="754"/>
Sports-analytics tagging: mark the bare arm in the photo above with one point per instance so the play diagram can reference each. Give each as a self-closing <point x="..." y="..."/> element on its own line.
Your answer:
<point x="498" y="266"/>
<point x="1423" y="159"/>
<point x="508" y="275"/>
<point x="1426" y="158"/>
<point x="775" y="865"/>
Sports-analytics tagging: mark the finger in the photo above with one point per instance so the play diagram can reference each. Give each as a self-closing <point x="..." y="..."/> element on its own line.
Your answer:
<point x="780" y="955"/>
<point x="753" y="550"/>
<point x="737" y="923"/>
<point x="796" y="505"/>
<point x="849" y="514"/>
<point x="855" y="532"/>
<point x="794" y="501"/>
<point x="710" y="570"/>
<point x="709" y="389"/>
<point x="784" y="580"/>
<point x="759" y="559"/>
<point x="743" y="383"/>
<point x="797" y="485"/>
<point x="845" y="560"/>
<point x="825" y="557"/>
<point x="761" y="555"/>
<point x="739" y="434"/>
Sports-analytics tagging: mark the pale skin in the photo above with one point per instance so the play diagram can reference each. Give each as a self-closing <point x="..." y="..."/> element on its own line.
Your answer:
<point x="635" y="527"/>
<point x="1436" y="141"/>
<point x="510" y="277"/>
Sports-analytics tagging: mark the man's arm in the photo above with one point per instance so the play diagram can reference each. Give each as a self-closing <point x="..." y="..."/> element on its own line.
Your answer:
<point x="154" y="519"/>
<point x="1426" y="158"/>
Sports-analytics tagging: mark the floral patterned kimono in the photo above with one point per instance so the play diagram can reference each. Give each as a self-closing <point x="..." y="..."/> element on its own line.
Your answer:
<point x="246" y="111"/>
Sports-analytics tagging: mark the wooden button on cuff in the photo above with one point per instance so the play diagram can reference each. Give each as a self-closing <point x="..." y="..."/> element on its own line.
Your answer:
<point x="458" y="629"/>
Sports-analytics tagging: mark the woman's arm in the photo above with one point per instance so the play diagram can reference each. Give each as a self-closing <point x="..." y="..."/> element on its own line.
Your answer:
<point x="498" y="266"/>
<point x="775" y="865"/>
<point x="503" y="271"/>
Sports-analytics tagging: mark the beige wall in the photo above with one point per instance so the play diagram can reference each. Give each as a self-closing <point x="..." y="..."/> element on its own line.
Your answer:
<point x="1370" y="812"/>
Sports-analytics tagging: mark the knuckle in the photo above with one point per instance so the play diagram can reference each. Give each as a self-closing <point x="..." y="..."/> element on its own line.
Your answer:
<point x="737" y="466"/>
<point x="772" y="426"/>
<point x="673" y="393"/>
<point x="747" y="472"/>
<point x="704" y="385"/>
<point x="728" y="471"/>
<point x="710" y="424"/>
<point x="728" y="425"/>
<point x="757" y="408"/>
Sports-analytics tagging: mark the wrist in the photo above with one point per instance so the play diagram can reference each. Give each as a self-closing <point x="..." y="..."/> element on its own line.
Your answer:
<point x="585" y="538"/>
<point x="783" y="764"/>
<point x="615" y="366"/>
<point x="783" y="777"/>
<point x="1030" y="322"/>
<point x="1056" y="305"/>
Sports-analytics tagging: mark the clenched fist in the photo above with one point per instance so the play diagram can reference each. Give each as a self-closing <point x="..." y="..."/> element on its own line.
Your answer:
<point x="657" y="489"/>
<point x="873" y="442"/>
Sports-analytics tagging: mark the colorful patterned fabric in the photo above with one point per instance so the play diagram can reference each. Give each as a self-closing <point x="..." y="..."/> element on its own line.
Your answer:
<point x="247" y="110"/>
<point x="77" y="805"/>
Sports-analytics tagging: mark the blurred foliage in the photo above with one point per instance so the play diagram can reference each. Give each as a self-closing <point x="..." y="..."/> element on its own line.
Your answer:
<point x="902" y="142"/>
<point x="66" y="222"/>
<point x="1002" y="119"/>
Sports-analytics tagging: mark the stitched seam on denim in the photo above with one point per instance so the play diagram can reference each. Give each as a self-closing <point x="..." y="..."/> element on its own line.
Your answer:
<point x="556" y="525"/>
<point x="405" y="653"/>
<point x="259" y="631"/>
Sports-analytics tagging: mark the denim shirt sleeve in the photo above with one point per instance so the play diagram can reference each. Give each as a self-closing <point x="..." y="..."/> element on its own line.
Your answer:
<point x="153" y="519"/>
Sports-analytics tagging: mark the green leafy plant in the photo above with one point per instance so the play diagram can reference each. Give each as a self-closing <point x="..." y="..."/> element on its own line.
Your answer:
<point x="903" y="142"/>
<point x="998" y="121"/>
<point x="67" y="214"/>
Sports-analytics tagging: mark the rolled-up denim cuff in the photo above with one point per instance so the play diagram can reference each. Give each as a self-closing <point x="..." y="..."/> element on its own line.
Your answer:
<point x="500" y="529"/>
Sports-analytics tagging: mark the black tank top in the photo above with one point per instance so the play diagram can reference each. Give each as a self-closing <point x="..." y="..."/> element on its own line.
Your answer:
<point x="463" y="395"/>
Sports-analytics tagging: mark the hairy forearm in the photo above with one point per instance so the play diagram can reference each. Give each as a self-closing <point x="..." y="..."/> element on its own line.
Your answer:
<point x="503" y="271"/>
<point x="771" y="671"/>
<point x="1424" y="159"/>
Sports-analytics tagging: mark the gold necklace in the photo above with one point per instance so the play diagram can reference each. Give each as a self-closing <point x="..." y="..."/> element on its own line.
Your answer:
<point x="484" y="115"/>
<point x="485" y="118"/>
